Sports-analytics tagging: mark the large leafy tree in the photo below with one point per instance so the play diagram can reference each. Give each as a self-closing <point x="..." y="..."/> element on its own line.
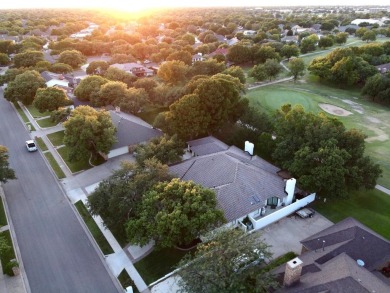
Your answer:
<point x="239" y="54"/>
<point x="272" y="68"/>
<point x="174" y="213"/>
<point x="118" y="198"/>
<point x="110" y="92"/>
<point x="28" y="59"/>
<point x="6" y="173"/>
<point x="297" y="67"/>
<point x="89" y="88"/>
<point x="211" y="103"/>
<point x="229" y="262"/>
<point x="166" y="149"/>
<point x="324" y="156"/>
<point x="133" y="101"/>
<point x="97" y="67"/>
<point x="73" y="58"/>
<point x="377" y="88"/>
<point x="289" y="51"/>
<point x="24" y="87"/>
<point x="173" y="72"/>
<point x="50" y="99"/>
<point x="116" y="74"/>
<point x="88" y="132"/>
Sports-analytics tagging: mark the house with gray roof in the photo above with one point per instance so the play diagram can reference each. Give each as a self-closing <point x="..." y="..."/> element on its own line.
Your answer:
<point x="131" y="131"/>
<point x="346" y="257"/>
<point x="246" y="187"/>
<point x="134" y="68"/>
<point x="383" y="68"/>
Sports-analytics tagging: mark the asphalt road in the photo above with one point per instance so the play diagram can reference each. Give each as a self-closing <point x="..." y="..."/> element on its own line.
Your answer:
<point x="57" y="254"/>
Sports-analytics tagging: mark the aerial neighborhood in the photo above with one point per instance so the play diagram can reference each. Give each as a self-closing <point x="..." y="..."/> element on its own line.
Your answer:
<point x="204" y="149"/>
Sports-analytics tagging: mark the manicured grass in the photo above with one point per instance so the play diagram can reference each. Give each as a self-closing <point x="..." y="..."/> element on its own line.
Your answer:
<point x="57" y="138"/>
<point x="371" y="118"/>
<point x="54" y="165"/>
<point x="73" y="166"/>
<point x="126" y="281"/>
<point x="369" y="207"/>
<point x="159" y="263"/>
<point x="93" y="228"/>
<point x="30" y="126"/>
<point x="41" y="144"/>
<point x="21" y="113"/>
<point x="3" y="218"/>
<point x="8" y="255"/>
<point x="46" y="122"/>
<point x="35" y="113"/>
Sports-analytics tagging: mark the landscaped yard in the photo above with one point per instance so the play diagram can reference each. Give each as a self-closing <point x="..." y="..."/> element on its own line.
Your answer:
<point x="35" y="113"/>
<point x="41" y="144"/>
<point x="93" y="228"/>
<point x="76" y="166"/>
<point x="373" y="119"/>
<point x="54" y="165"/>
<point x="126" y="281"/>
<point x="369" y="207"/>
<point x="57" y="138"/>
<point x="46" y="122"/>
<point x="158" y="264"/>
<point x="8" y="255"/>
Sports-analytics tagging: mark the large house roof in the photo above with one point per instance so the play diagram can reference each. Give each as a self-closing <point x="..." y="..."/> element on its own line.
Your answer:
<point x="331" y="266"/>
<point x="242" y="183"/>
<point x="130" y="132"/>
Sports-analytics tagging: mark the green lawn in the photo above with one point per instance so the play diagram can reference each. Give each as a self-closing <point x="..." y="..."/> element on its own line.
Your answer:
<point x="21" y="113"/>
<point x="8" y="255"/>
<point x="371" y="118"/>
<point x="46" y="122"/>
<point x="41" y="144"/>
<point x="35" y="113"/>
<point x="57" y="138"/>
<point x="73" y="166"/>
<point x="126" y="281"/>
<point x="369" y="207"/>
<point x="93" y="228"/>
<point x="3" y="218"/>
<point x="54" y="165"/>
<point x="159" y="263"/>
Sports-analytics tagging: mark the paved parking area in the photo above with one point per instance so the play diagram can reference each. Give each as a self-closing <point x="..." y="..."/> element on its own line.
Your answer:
<point x="286" y="234"/>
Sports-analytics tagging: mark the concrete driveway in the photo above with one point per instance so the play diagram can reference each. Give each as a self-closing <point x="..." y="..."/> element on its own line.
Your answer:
<point x="286" y="234"/>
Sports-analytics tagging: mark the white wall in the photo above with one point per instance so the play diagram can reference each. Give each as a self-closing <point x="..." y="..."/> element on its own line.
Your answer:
<point x="279" y="214"/>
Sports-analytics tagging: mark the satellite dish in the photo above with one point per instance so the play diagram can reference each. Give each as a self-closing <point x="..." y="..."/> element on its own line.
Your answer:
<point x="360" y="263"/>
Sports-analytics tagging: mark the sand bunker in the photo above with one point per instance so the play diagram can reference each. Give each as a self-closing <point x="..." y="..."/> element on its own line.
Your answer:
<point x="334" y="110"/>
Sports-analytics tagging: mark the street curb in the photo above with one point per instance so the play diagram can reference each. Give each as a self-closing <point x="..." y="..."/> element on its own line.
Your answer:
<point x="15" y="242"/>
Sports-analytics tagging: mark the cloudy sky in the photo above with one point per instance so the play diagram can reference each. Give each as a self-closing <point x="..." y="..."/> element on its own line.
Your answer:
<point x="137" y="5"/>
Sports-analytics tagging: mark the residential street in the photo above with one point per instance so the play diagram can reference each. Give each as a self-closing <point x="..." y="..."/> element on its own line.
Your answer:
<point x="57" y="253"/>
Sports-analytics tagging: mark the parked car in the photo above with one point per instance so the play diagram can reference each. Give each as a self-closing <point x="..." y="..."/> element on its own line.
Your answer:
<point x="31" y="146"/>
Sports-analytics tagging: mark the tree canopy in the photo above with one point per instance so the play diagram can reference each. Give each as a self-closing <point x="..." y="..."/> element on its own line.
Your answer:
<point x="297" y="67"/>
<point x="323" y="156"/>
<point x="28" y="59"/>
<point x="88" y="132"/>
<point x="50" y="99"/>
<point x="24" y="87"/>
<point x="6" y="173"/>
<point x="229" y="262"/>
<point x="89" y="88"/>
<point x="73" y="58"/>
<point x="174" y="213"/>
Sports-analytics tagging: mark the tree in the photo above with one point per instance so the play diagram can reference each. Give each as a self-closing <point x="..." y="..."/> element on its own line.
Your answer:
<point x="118" y="198"/>
<point x="183" y="56"/>
<point x="73" y="58"/>
<point x="133" y="101"/>
<point x="361" y="31"/>
<point x="6" y="173"/>
<point x="289" y="50"/>
<point x="167" y="150"/>
<point x="208" y="67"/>
<point x="89" y="88"/>
<point x="327" y="26"/>
<point x="174" y="213"/>
<point x="61" y="68"/>
<point x="28" y="59"/>
<point x="258" y="72"/>
<point x="88" y="132"/>
<point x="323" y="156"/>
<point x="50" y="99"/>
<point x="97" y="67"/>
<point x="341" y="38"/>
<point x="116" y="74"/>
<point x="377" y="87"/>
<point x="325" y="42"/>
<point x="297" y="67"/>
<point x="24" y="87"/>
<point x="264" y="53"/>
<point x="369" y="36"/>
<point x="4" y="59"/>
<point x="272" y="68"/>
<point x="110" y="92"/>
<point x="10" y="75"/>
<point x="308" y="44"/>
<point x="230" y="262"/>
<point x="236" y="71"/>
<point x="239" y="54"/>
<point x="173" y="72"/>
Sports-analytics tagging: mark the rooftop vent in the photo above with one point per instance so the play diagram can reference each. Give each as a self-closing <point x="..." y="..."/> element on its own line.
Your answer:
<point x="360" y="263"/>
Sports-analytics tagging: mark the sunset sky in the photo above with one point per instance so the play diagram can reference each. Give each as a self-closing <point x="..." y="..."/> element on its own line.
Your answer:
<point x="138" y="5"/>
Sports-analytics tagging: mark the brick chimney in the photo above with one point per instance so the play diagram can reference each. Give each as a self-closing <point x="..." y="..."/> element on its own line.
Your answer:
<point x="293" y="271"/>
